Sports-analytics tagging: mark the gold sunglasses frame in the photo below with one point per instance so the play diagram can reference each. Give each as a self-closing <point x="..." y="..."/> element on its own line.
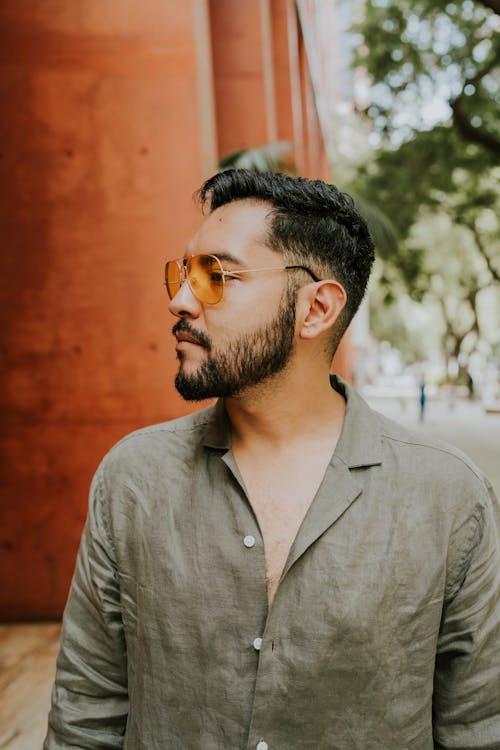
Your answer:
<point x="184" y="276"/>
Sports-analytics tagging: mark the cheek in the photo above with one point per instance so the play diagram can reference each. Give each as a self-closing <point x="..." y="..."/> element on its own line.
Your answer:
<point x="231" y="332"/>
<point x="241" y="313"/>
<point x="222" y="325"/>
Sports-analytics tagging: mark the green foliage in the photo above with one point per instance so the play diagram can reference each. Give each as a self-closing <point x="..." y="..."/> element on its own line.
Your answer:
<point x="434" y="110"/>
<point x="381" y="228"/>
<point x="270" y="158"/>
<point x="267" y="158"/>
<point x="429" y="58"/>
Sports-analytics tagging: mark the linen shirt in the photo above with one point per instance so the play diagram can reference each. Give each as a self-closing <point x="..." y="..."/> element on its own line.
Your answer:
<point x="383" y="633"/>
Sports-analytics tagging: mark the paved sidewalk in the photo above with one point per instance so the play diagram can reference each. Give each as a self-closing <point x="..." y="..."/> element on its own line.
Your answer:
<point x="27" y="665"/>
<point x="461" y="423"/>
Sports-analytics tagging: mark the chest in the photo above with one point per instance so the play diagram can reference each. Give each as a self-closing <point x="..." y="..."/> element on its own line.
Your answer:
<point x="362" y="594"/>
<point x="363" y="587"/>
<point x="280" y="498"/>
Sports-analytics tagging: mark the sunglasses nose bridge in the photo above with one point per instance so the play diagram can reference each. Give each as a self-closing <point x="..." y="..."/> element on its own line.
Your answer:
<point x="173" y="284"/>
<point x="182" y="272"/>
<point x="186" y="275"/>
<point x="184" y="302"/>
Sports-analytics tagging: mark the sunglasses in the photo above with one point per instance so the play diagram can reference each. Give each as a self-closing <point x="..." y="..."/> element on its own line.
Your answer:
<point x="206" y="277"/>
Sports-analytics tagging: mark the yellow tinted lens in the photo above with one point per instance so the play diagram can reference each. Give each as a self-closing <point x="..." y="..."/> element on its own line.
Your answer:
<point x="205" y="278"/>
<point x="172" y="278"/>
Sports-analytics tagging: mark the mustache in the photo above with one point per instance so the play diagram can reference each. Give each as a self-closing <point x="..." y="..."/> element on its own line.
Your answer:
<point x="182" y="326"/>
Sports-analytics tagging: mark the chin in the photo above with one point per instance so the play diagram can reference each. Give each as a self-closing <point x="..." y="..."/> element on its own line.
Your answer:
<point x="187" y="372"/>
<point x="190" y="392"/>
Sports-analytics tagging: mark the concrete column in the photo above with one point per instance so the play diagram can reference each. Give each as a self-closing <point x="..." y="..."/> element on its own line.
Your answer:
<point x="243" y="74"/>
<point x="287" y="78"/>
<point x="107" y="128"/>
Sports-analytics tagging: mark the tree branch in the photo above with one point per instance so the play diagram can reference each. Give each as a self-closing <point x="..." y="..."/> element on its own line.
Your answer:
<point x="452" y="335"/>
<point x="460" y="119"/>
<point x="482" y="249"/>
<point x="493" y="5"/>
<point x="472" y="134"/>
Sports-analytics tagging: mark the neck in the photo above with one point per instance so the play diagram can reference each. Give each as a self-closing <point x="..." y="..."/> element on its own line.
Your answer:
<point x="297" y="404"/>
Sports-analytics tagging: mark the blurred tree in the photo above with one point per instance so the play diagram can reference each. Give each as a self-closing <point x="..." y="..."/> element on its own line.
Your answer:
<point x="434" y="110"/>
<point x="457" y="280"/>
<point x="457" y="309"/>
<point x="434" y="60"/>
<point x="267" y="158"/>
<point x="271" y="157"/>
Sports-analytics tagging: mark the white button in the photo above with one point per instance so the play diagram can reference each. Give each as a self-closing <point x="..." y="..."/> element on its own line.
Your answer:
<point x="262" y="745"/>
<point x="257" y="644"/>
<point x="249" y="541"/>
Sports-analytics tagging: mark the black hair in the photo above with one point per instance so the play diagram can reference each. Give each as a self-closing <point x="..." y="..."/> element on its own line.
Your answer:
<point x="312" y="223"/>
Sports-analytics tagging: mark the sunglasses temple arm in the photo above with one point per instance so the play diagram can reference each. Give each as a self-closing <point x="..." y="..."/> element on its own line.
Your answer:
<point x="255" y="270"/>
<point x="271" y="268"/>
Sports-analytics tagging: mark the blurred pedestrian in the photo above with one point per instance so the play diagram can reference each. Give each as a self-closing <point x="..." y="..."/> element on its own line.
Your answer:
<point x="422" y="399"/>
<point x="470" y="385"/>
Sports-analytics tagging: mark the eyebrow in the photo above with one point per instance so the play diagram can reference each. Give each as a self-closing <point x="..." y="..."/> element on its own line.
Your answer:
<point x="222" y="255"/>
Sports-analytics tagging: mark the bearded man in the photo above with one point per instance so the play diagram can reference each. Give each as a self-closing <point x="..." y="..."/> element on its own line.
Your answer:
<point x="285" y="568"/>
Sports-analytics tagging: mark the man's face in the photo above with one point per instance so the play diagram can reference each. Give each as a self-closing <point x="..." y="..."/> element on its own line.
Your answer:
<point x="249" y="335"/>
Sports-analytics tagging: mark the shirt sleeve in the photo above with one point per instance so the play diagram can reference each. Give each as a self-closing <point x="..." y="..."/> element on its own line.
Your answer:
<point x="90" y="698"/>
<point x="466" y="700"/>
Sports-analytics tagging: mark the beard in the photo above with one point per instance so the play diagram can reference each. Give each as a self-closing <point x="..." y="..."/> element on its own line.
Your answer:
<point x="247" y="361"/>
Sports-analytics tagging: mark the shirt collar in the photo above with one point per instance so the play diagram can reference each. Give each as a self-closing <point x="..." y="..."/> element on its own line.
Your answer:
<point x="218" y="430"/>
<point x="360" y="442"/>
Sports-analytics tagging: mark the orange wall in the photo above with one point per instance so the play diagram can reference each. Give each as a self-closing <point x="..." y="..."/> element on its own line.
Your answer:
<point x="115" y="115"/>
<point x="243" y="74"/>
<point x="285" y="42"/>
<point x="316" y="163"/>
<point x="109" y="130"/>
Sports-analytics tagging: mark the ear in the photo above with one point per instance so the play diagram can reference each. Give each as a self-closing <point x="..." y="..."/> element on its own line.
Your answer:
<point x="319" y="307"/>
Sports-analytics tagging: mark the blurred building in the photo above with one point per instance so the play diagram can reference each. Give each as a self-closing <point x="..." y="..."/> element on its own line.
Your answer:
<point x="113" y="114"/>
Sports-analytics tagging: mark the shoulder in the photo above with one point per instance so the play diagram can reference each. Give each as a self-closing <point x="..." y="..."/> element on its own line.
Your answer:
<point x="439" y="469"/>
<point x="447" y="494"/>
<point x="408" y="443"/>
<point x="183" y="426"/>
<point x="398" y="450"/>
<point x="147" y="449"/>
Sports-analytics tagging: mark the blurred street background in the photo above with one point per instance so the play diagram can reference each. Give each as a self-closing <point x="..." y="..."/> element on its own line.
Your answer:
<point x="113" y="115"/>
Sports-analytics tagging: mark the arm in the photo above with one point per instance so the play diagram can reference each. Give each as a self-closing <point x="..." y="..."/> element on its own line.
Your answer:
<point x="467" y="678"/>
<point x="90" y="698"/>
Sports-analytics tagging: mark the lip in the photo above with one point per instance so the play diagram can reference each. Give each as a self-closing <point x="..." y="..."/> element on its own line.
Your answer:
<point x="185" y="338"/>
<point x="186" y="345"/>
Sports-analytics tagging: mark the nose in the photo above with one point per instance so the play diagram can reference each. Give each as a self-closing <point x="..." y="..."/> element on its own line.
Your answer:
<point x="184" y="304"/>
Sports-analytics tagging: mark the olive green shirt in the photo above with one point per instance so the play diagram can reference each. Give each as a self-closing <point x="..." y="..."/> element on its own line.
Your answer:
<point x="383" y="633"/>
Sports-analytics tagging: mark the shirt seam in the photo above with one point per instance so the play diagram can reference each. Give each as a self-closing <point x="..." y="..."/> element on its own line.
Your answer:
<point x="101" y="491"/>
<point x="470" y="545"/>
<point x="160" y="428"/>
<point x="440" y="449"/>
